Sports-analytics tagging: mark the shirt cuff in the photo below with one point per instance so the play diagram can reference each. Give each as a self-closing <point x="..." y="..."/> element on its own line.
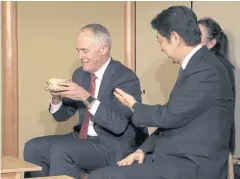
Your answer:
<point x="94" y="107"/>
<point x="55" y="107"/>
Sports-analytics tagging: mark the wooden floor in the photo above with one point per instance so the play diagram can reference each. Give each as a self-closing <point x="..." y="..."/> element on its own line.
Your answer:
<point x="55" y="177"/>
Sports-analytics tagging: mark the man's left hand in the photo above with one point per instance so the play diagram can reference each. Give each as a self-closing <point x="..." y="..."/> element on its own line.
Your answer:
<point x="124" y="98"/>
<point x="73" y="91"/>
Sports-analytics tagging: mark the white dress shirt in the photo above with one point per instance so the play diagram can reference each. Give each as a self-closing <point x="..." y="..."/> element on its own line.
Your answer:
<point x="189" y="56"/>
<point x="99" y="74"/>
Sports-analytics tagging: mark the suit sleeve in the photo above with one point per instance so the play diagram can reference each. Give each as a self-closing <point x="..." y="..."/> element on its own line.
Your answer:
<point x="116" y="118"/>
<point x="69" y="107"/>
<point x="67" y="110"/>
<point x="149" y="144"/>
<point x="192" y="99"/>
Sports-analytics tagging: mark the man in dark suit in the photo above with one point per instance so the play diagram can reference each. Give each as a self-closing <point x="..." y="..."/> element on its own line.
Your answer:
<point x="194" y="125"/>
<point x="104" y="134"/>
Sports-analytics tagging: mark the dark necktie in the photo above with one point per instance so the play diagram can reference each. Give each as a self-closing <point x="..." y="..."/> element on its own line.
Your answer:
<point x="84" y="127"/>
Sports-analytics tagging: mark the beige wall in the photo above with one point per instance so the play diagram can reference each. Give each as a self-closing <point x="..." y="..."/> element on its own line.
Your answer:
<point x="47" y="32"/>
<point x="222" y="12"/>
<point x="155" y="70"/>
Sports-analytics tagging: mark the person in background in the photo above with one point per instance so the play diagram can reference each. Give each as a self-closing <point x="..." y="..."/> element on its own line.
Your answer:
<point x="217" y="41"/>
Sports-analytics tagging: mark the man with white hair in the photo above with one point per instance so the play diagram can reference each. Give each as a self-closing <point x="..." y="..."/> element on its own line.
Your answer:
<point x="104" y="134"/>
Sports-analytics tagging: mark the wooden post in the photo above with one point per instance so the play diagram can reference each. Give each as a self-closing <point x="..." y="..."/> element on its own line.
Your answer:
<point x="10" y="78"/>
<point x="130" y="34"/>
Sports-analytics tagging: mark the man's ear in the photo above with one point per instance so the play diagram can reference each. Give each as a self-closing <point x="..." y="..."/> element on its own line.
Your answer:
<point x="175" y="38"/>
<point x="104" y="49"/>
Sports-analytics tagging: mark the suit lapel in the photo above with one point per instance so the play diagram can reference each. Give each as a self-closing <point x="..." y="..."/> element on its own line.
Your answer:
<point x="191" y="64"/>
<point x="107" y="78"/>
<point x="180" y="79"/>
<point x="86" y="81"/>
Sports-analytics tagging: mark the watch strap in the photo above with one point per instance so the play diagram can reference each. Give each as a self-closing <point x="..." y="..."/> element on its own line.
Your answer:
<point x="89" y="100"/>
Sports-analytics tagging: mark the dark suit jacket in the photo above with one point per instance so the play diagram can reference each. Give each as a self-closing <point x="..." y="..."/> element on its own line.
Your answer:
<point x="112" y="120"/>
<point x="149" y="145"/>
<point x="195" y="124"/>
<point x="230" y="69"/>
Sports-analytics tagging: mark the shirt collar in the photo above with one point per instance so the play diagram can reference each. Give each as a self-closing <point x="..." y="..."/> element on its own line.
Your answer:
<point x="100" y="72"/>
<point x="189" y="56"/>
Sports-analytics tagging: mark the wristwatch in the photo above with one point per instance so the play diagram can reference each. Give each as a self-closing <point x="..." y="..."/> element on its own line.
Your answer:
<point x="89" y="100"/>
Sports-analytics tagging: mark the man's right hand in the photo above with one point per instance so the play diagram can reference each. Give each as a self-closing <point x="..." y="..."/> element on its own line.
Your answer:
<point x="137" y="155"/>
<point x="55" y="98"/>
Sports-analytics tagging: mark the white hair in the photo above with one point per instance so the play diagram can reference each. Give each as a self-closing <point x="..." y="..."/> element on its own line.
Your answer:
<point x="101" y="34"/>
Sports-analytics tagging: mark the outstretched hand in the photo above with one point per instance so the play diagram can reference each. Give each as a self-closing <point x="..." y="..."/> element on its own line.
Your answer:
<point x="124" y="98"/>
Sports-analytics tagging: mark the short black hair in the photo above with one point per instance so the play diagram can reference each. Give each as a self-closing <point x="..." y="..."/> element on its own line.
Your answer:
<point x="180" y="19"/>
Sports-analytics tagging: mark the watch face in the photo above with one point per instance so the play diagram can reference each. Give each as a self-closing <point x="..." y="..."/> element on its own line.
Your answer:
<point x="89" y="100"/>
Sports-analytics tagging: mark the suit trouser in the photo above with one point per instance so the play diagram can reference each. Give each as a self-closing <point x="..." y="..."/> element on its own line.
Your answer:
<point x="65" y="155"/>
<point x="148" y="170"/>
